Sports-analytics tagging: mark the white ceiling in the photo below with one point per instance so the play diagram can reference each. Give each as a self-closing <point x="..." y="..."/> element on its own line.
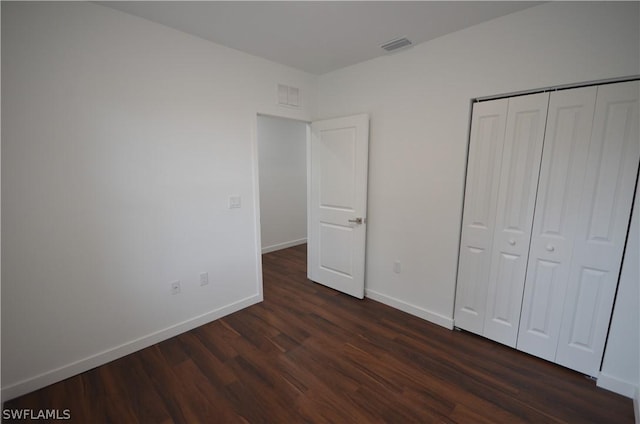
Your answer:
<point x="317" y="36"/>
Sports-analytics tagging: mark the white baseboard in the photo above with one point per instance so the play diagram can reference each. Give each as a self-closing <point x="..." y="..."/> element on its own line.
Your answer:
<point x="425" y="314"/>
<point x="39" y="381"/>
<point x="617" y="385"/>
<point x="284" y="245"/>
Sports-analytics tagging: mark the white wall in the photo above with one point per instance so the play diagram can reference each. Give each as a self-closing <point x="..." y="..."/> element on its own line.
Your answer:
<point x="621" y="365"/>
<point x="282" y="152"/>
<point x="121" y="143"/>
<point x="419" y="102"/>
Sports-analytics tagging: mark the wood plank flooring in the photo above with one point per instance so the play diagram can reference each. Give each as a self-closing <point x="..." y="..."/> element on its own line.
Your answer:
<point x="310" y="354"/>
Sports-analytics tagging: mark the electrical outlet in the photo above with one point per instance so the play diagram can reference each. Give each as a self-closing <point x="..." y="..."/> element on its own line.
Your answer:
<point x="204" y="278"/>
<point x="175" y="287"/>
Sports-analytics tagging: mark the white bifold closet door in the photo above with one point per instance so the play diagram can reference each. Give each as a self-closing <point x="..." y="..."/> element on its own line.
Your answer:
<point x="504" y="157"/>
<point x="483" y="176"/>
<point x="521" y="154"/>
<point x="581" y="222"/>
<point x="550" y="183"/>
<point x="561" y="178"/>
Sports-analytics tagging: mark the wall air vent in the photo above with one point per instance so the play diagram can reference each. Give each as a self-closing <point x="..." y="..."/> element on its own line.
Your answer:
<point x="397" y="44"/>
<point x="288" y="96"/>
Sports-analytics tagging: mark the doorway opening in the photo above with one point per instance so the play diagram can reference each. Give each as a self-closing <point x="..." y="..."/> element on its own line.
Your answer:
<point x="282" y="175"/>
<point x="312" y="189"/>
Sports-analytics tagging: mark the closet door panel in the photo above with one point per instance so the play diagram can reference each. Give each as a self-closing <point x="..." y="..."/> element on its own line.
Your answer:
<point x="483" y="173"/>
<point x="539" y="318"/>
<point x="562" y="174"/>
<point x="522" y="151"/>
<point x="602" y="224"/>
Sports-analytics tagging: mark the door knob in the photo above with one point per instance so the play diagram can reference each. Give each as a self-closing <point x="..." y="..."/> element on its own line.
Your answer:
<point x="550" y="248"/>
<point x="512" y="242"/>
<point x="356" y="221"/>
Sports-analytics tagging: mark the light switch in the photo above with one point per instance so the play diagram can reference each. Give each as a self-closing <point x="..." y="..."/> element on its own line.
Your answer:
<point x="235" y="202"/>
<point x="397" y="268"/>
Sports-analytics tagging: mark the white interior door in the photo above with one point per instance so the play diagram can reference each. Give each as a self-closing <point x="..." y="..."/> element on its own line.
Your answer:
<point x="602" y="221"/>
<point x="481" y="193"/>
<point x="526" y="119"/>
<point x="561" y="177"/>
<point x="338" y="203"/>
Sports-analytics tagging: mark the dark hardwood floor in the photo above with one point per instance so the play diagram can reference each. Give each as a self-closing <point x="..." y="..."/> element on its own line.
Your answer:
<point x="310" y="354"/>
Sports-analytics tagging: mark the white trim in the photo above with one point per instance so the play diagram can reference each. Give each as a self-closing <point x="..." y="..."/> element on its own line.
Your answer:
<point x="636" y="405"/>
<point x="409" y="308"/>
<point x="255" y="159"/>
<point x="309" y="259"/>
<point x="559" y="87"/>
<point x="286" y="244"/>
<point x="616" y="385"/>
<point x="34" y="383"/>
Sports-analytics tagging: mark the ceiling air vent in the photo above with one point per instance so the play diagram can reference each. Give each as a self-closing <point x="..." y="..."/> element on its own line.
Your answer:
<point x="398" y="43"/>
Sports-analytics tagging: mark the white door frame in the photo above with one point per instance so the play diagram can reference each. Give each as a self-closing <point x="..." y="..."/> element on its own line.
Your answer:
<point x="256" y="191"/>
<point x="256" y="186"/>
